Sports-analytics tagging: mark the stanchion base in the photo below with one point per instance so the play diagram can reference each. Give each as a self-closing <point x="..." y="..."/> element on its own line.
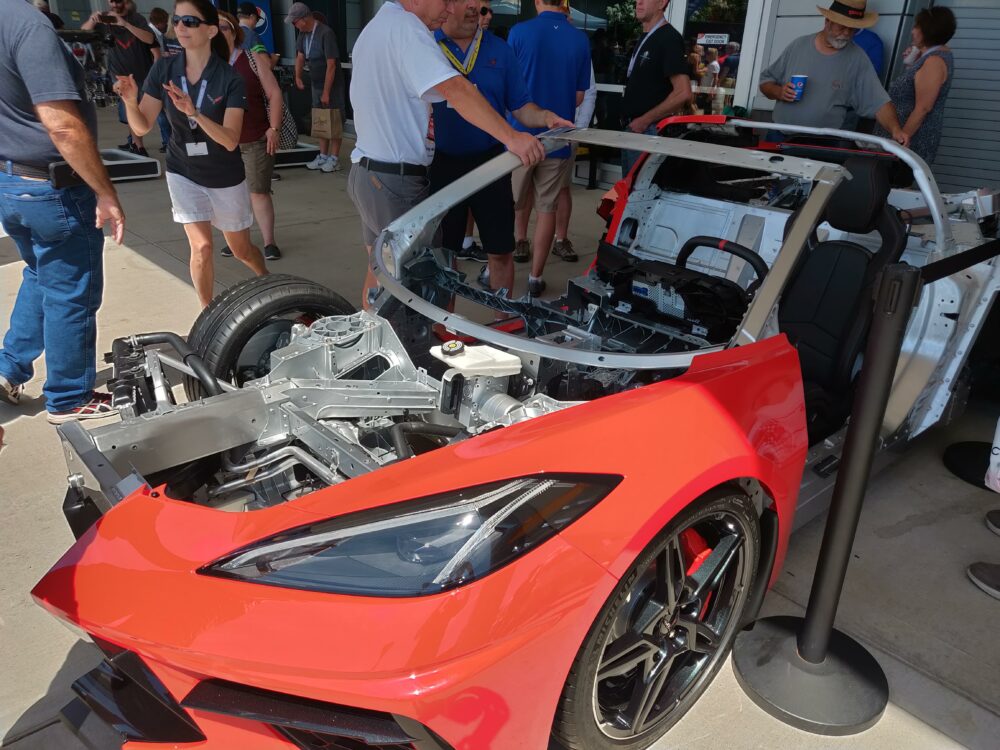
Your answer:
<point x="846" y="694"/>
<point x="968" y="461"/>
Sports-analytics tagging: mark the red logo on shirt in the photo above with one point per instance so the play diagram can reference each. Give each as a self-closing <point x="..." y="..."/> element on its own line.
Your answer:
<point x="215" y="99"/>
<point x="125" y="45"/>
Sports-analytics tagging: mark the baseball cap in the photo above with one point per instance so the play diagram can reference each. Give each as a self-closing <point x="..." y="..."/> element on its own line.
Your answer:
<point x="297" y="12"/>
<point x="247" y="9"/>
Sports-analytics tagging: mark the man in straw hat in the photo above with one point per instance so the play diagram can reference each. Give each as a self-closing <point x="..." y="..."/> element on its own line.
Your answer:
<point x="839" y="75"/>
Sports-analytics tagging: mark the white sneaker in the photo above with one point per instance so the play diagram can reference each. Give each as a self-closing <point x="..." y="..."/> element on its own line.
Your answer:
<point x="332" y="164"/>
<point x="9" y="392"/>
<point x="317" y="162"/>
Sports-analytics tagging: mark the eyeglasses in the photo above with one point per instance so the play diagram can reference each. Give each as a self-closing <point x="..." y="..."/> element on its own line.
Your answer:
<point x="227" y="27"/>
<point x="191" y="22"/>
<point x="484" y="11"/>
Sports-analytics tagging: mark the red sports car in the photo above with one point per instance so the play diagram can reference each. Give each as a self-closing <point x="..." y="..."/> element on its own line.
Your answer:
<point x="354" y="536"/>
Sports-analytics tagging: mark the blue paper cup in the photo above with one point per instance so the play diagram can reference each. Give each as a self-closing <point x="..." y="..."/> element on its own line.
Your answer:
<point x="799" y="83"/>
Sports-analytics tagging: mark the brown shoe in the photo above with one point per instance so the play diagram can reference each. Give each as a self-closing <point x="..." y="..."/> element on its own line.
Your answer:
<point x="522" y="253"/>
<point x="564" y="249"/>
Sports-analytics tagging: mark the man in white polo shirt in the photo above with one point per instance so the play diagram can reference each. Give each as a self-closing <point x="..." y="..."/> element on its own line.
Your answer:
<point x="398" y="72"/>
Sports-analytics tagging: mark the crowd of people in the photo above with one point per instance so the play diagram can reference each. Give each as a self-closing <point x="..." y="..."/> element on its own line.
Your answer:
<point x="839" y="82"/>
<point x="435" y="94"/>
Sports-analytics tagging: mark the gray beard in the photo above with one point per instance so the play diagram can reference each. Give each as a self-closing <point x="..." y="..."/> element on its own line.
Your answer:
<point x="836" y="42"/>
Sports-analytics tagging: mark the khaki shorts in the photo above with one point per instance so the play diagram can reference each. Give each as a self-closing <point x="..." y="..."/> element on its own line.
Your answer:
<point x="327" y="123"/>
<point x="258" y="164"/>
<point x="568" y="174"/>
<point x="546" y="178"/>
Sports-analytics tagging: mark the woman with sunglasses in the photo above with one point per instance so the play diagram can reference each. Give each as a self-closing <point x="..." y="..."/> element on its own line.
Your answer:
<point x="261" y="124"/>
<point x="204" y="99"/>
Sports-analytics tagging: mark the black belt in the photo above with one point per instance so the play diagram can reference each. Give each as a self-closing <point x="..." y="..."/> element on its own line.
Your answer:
<point x="387" y="167"/>
<point x="23" y="170"/>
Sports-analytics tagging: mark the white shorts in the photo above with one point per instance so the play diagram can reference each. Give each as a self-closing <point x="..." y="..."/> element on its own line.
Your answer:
<point x="227" y="208"/>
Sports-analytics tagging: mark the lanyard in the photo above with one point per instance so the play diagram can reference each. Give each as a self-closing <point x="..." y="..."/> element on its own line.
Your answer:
<point x="201" y="98"/>
<point x="234" y="55"/>
<point x="308" y="43"/>
<point x="465" y="67"/>
<point x="631" y="63"/>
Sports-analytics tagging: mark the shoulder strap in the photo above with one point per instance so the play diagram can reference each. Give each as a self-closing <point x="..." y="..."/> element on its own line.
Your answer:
<point x="253" y="63"/>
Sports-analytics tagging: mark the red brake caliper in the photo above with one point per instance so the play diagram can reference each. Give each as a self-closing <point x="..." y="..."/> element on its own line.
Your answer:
<point x="696" y="549"/>
<point x="307" y="319"/>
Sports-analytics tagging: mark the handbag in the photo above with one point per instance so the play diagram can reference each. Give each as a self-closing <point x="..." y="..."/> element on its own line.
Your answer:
<point x="288" y="134"/>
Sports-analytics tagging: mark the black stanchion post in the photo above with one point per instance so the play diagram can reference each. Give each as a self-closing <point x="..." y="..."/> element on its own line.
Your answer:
<point x="803" y="671"/>
<point x="896" y="298"/>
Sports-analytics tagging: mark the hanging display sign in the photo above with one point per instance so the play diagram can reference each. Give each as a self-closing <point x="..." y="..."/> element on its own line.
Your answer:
<point x="712" y="39"/>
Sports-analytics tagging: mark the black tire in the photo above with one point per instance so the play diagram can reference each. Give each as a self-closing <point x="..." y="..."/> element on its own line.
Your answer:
<point x="589" y="716"/>
<point x="226" y="326"/>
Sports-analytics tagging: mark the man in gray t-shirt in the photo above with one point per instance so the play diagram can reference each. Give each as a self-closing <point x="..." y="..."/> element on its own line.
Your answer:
<point x="841" y="77"/>
<point x="316" y="46"/>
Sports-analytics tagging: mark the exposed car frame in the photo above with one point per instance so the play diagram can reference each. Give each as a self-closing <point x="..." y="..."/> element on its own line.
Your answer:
<point x="319" y="438"/>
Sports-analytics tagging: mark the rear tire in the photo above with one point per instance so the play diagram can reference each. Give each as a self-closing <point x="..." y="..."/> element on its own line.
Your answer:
<point x="265" y="307"/>
<point x="659" y="628"/>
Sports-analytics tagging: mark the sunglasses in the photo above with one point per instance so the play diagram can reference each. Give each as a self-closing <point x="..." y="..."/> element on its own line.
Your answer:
<point x="191" y="22"/>
<point x="484" y="11"/>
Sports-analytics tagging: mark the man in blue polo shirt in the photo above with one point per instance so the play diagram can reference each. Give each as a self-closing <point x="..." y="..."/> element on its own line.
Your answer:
<point x="459" y="147"/>
<point x="555" y="59"/>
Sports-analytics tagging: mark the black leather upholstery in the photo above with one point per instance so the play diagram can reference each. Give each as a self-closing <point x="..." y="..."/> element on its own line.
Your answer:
<point x="826" y="309"/>
<point x="858" y="202"/>
<point x="819" y="307"/>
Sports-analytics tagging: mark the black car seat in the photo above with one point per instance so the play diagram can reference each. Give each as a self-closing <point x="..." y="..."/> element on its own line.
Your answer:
<point x="826" y="309"/>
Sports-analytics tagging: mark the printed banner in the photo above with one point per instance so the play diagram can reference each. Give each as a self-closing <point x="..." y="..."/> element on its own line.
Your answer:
<point x="265" y="27"/>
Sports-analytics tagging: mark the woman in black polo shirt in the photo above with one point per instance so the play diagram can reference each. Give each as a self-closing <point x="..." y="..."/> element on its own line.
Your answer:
<point x="204" y="99"/>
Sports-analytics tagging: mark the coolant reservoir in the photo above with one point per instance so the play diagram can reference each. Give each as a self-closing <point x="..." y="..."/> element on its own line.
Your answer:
<point x="477" y="360"/>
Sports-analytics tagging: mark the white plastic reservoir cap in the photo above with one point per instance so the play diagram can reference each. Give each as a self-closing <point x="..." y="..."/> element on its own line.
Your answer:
<point x="477" y="360"/>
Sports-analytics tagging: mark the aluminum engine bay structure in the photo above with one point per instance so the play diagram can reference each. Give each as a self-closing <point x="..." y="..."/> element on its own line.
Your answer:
<point x="342" y="398"/>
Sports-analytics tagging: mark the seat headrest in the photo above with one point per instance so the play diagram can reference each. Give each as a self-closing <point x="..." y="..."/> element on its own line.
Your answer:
<point x="858" y="202"/>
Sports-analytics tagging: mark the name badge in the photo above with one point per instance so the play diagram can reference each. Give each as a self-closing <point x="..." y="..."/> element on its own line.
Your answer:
<point x="197" y="149"/>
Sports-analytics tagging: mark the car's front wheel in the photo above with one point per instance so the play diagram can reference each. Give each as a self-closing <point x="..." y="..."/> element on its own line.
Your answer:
<point x="665" y="630"/>
<point x="239" y="329"/>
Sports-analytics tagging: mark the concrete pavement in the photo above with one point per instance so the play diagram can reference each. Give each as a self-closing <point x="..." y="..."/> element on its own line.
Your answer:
<point x="906" y="594"/>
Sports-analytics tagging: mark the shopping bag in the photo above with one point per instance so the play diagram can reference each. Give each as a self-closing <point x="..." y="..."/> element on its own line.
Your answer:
<point x="322" y="126"/>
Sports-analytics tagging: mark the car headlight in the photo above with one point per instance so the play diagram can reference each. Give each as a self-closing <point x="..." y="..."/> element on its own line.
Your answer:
<point x="420" y="547"/>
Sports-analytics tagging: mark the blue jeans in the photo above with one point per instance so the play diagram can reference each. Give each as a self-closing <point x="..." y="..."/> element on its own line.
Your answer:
<point x="631" y="157"/>
<point x="61" y="288"/>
